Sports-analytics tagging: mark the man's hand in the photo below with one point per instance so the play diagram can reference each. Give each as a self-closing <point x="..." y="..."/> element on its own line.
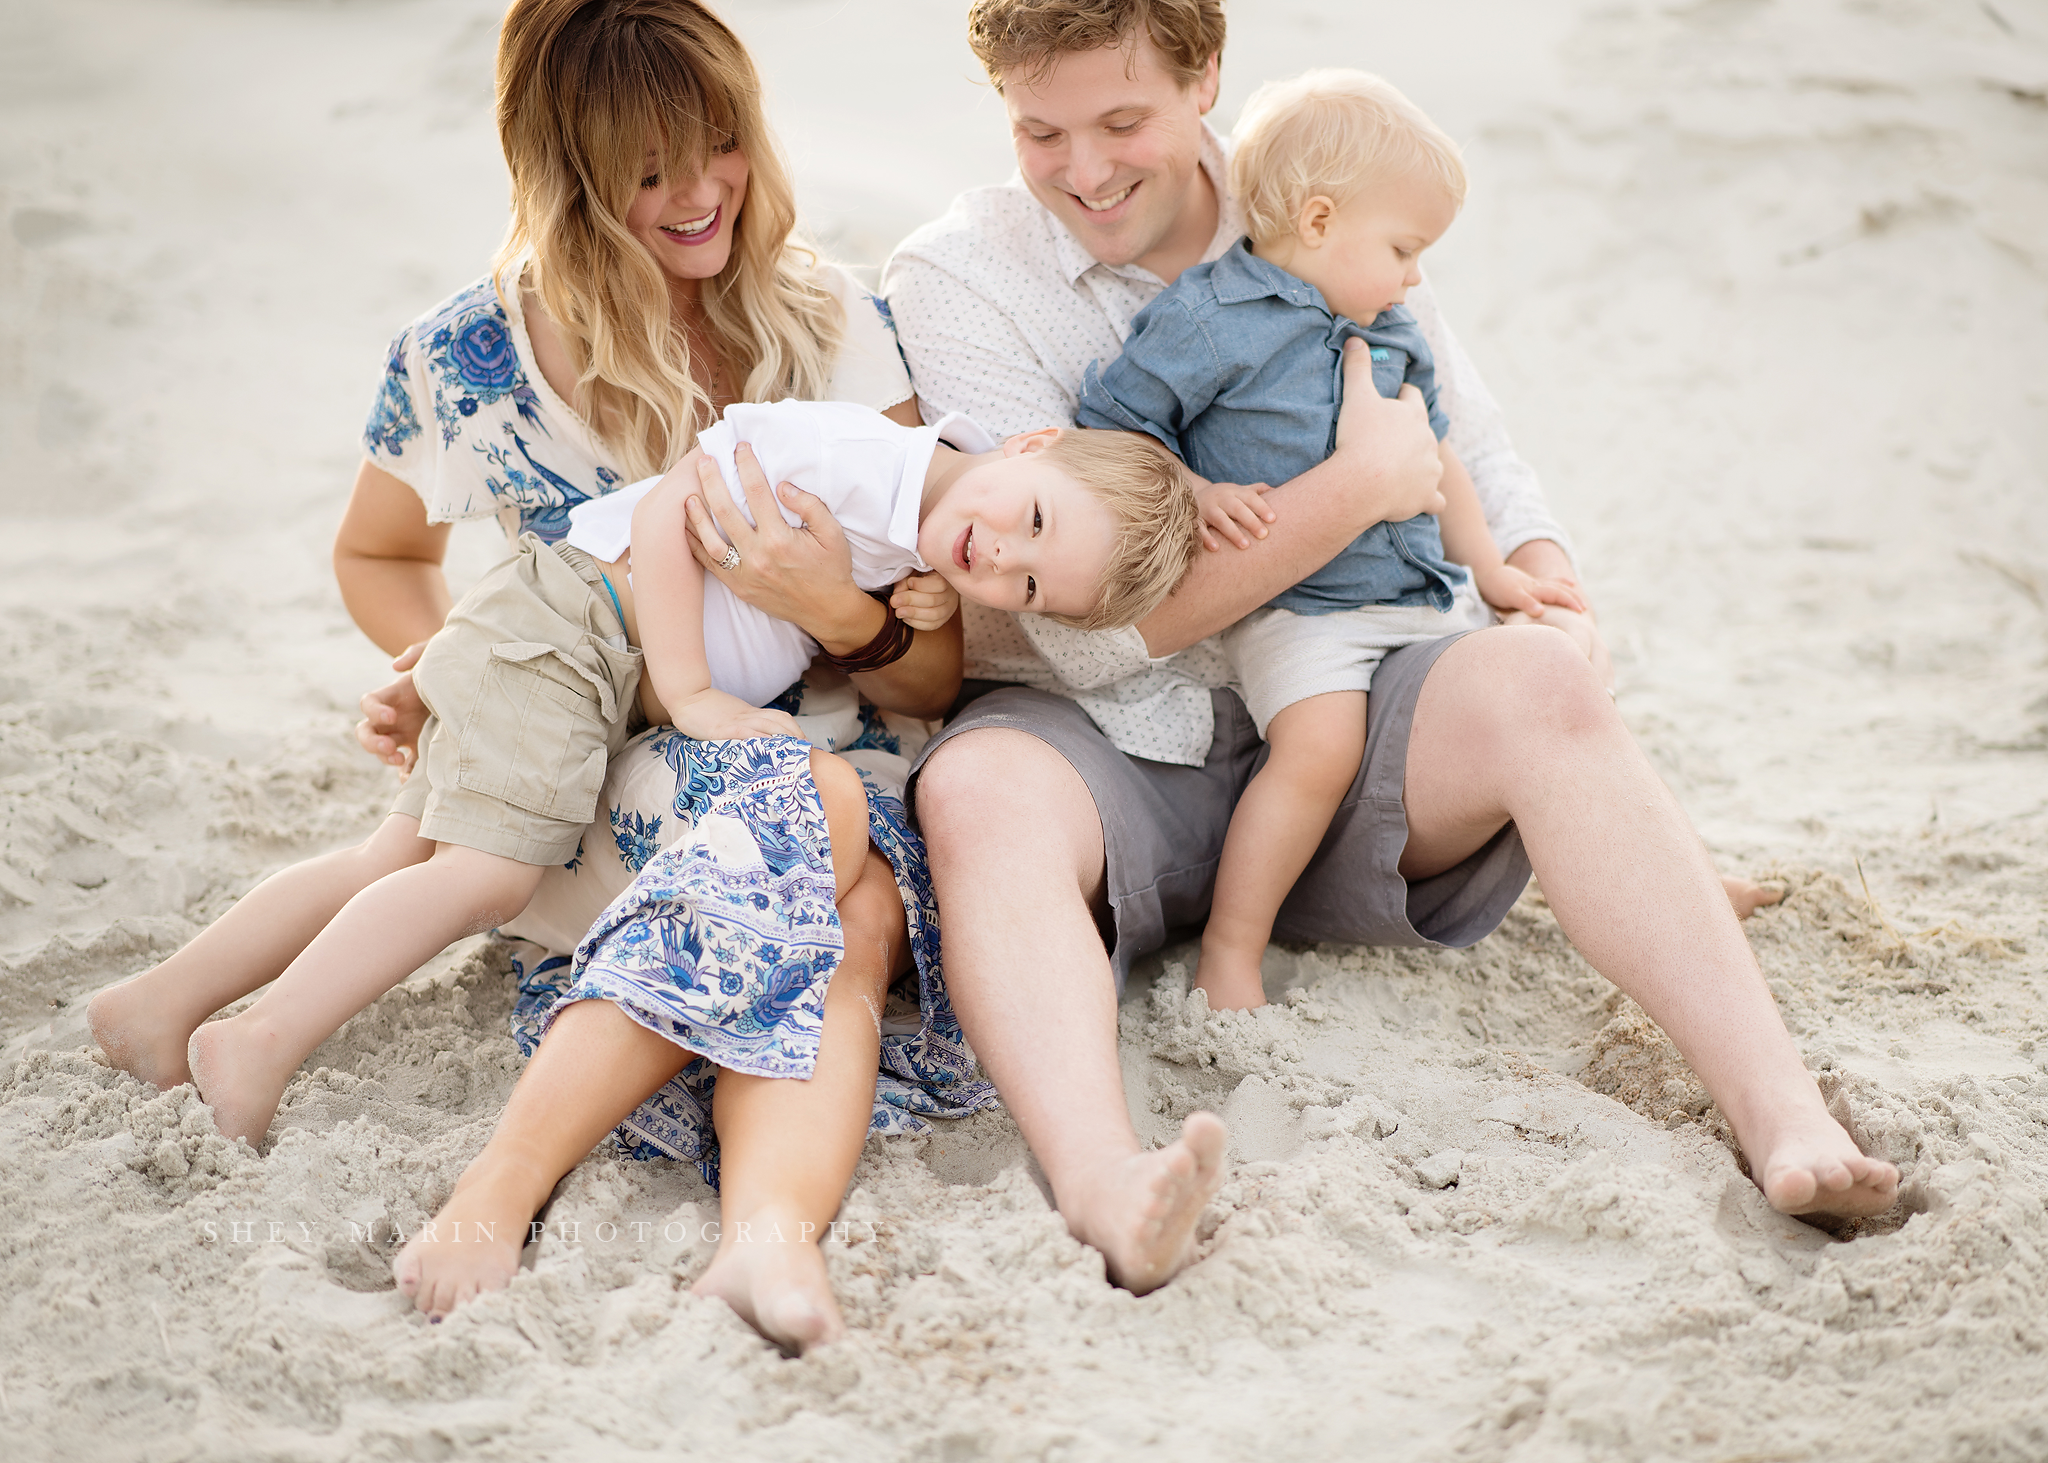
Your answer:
<point x="1397" y="430"/>
<point x="1507" y="588"/>
<point x="924" y="601"/>
<point x="393" y="716"/>
<point x="714" y="716"/>
<point x="1232" y="511"/>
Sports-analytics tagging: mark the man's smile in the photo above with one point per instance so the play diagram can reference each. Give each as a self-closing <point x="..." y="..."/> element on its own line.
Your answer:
<point x="1106" y="205"/>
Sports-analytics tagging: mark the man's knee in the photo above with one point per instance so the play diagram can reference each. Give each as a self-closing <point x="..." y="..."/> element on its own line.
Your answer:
<point x="1536" y="681"/>
<point x="995" y="786"/>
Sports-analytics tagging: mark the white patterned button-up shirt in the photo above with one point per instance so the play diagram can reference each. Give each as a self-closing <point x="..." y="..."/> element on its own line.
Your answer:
<point x="1000" y="309"/>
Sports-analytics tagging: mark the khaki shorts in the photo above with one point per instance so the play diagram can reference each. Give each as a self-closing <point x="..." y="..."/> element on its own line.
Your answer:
<point x="1280" y="657"/>
<point x="532" y="688"/>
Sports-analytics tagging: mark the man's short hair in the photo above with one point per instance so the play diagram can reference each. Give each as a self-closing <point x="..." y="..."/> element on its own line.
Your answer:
<point x="1149" y="494"/>
<point x="1023" y="38"/>
<point x="1336" y="133"/>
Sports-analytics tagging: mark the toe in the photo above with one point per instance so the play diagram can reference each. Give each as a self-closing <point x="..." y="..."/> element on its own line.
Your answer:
<point x="406" y="1271"/>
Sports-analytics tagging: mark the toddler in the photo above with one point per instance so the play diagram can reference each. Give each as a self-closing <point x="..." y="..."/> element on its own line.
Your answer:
<point x="545" y="667"/>
<point x="1238" y="367"/>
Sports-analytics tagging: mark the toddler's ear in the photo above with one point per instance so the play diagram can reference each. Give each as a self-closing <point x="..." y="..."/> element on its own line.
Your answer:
<point x="1025" y="442"/>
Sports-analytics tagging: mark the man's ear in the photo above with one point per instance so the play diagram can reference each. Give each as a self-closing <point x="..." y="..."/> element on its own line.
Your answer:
<point x="1028" y="442"/>
<point x="1207" y="83"/>
<point x="1312" y="224"/>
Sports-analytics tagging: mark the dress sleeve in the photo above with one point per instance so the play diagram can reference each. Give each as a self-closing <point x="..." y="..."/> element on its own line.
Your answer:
<point x="392" y="438"/>
<point x="966" y="355"/>
<point x="1509" y="492"/>
<point x="869" y="369"/>
<point x="1168" y="374"/>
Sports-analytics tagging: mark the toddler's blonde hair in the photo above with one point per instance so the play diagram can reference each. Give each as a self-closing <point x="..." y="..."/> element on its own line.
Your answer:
<point x="1336" y="133"/>
<point x="1148" y="492"/>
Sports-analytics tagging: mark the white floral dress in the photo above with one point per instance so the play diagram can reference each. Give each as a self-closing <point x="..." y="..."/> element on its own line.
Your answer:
<point x="701" y="903"/>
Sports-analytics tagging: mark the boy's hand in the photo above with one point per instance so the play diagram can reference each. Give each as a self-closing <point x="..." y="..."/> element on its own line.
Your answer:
<point x="1507" y="589"/>
<point x="924" y="601"/>
<point x="1234" y="511"/>
<point x="393" y="716"/>
<point x="714" y="716"/>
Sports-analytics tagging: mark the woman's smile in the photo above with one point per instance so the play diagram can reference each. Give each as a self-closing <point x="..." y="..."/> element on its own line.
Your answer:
<point x="694" y="231"/>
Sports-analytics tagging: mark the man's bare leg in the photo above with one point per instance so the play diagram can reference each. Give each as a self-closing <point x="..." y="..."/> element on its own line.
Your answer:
<point x="1017" y="863"/>
<point x="1513" y="724"/>
<point x="1275" y="830"/>
<point x="595" y="1065"/>
<point x="378" y="938"/>
<point x="143" y="1024"/>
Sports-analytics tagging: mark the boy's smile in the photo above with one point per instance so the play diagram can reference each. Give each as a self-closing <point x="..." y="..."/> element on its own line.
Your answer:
<point x="1017" y="533"/>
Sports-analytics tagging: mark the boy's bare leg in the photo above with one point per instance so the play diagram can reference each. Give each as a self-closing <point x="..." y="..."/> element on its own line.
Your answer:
<point x="1277" y="827"/>
<point x="379" y="937"/>
<point x="143" y="1024"/>
<point x="1513" y="724"/>
<point x="1017" y="860"/>
<point x="595" y="1065"/>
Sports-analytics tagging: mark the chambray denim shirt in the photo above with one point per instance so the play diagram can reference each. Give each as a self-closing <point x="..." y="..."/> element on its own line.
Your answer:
<point x="1239" y="369"/>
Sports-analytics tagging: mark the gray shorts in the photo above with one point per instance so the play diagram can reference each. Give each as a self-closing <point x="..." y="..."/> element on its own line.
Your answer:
<point x="1163" y="827"/>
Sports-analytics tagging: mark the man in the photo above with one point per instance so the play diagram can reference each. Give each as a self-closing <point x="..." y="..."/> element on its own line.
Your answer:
<point x="1063" y="847"/>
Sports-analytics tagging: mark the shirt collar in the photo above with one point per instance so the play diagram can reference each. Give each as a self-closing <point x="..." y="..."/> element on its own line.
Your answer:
<point x="1075" y="260"/>
<point x="1241" y="275"/>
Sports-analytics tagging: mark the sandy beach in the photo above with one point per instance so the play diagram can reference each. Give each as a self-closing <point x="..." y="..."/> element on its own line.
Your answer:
<point x="1763" y="288"/>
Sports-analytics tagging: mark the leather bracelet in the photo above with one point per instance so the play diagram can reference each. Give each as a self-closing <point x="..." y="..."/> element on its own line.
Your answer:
<point x="891" y="643"/>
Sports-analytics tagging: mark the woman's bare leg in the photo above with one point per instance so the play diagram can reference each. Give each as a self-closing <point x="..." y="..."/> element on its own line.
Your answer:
<point x="1512" y="724"/>
<point x="595" y="1066"/>
<point x="144" y="1024"/>
<point x="788" y="1148"/>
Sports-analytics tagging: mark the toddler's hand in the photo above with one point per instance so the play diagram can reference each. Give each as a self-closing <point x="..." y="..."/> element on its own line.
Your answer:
<point x="1507" y="589"/>
<point x="924" y="601"/>
<point x="393" y="717"/>
<point x="1232" y="511"/>
<point x="714" y="716"/>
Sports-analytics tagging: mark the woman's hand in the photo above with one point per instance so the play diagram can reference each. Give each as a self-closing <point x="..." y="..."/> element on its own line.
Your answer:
<point x="393" y="716"/>
<point x="801" y="574"/>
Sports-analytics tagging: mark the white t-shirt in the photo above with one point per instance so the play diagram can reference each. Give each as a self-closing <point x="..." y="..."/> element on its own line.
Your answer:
<point x="1000" y="309"/>
<point x="868" y="471"/>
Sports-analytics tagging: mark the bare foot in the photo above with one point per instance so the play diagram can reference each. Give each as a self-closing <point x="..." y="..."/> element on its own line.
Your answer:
<point x="237" y="1076"/>
<point x="775" y="1282"/>
<point x="473" y="1244"/>
<point x="139" y="1037"/>
<point x="1142" y="1213"/>
<point x="1748" y="896"/>
<point x="1814" y="1167"/>
<point x="1231" y="979"/>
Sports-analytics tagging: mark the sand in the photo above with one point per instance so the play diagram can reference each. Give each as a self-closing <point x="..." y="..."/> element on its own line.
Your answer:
<point x="1764" y="289"/>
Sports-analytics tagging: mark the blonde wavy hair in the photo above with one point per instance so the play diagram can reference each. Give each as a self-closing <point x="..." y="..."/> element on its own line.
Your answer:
<point x="1158" y="522"/>
<point x="583" y="86"/>
<point x="1333" y="132"/>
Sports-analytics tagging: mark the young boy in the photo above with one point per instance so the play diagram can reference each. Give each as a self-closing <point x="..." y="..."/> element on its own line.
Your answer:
<point x="1238" y="367"/>
<point x="535" y="680"/>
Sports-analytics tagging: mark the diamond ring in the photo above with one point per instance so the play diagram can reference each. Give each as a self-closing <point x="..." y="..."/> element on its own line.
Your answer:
<point x="731" y="561"/>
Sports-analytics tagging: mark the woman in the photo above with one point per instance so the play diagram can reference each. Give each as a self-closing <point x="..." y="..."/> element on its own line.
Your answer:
<point x="649" y="280"/>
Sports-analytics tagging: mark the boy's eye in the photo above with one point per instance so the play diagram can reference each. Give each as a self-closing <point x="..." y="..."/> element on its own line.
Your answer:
<point x="1037" y="520"/>
<point x="652" y="180"/>
<point x="1030" y="588"/>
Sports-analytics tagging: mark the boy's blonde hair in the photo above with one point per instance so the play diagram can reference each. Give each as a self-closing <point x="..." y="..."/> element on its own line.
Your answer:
<point x="1336" y="133"/>
<point x="1147" y="491"/>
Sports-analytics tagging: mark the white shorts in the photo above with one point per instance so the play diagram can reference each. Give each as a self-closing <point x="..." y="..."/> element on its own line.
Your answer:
<point x="1279" y="657"/>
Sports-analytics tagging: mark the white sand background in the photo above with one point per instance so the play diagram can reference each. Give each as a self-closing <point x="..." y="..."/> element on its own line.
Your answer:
<point x="1764" y="289"/>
